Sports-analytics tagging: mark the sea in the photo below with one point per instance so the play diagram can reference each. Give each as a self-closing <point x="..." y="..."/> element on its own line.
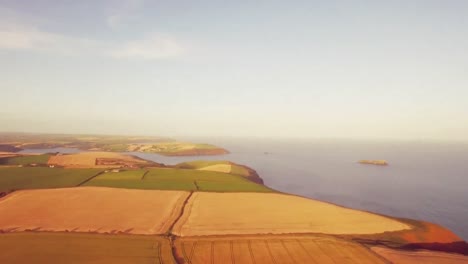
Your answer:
<point x="424" y="180"/>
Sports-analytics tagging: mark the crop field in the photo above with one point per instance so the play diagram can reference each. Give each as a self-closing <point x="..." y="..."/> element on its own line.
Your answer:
<point x="272" y="213"/>
<point x="177" y="179"/>
<point x="167" y="148"/>
<point x="226" y="168"/>
<point x="239" y="170"/>
<point x="421" y="256"/>
<point x="15" y="178"/>
<point x="25" y="160"/>
<point x="198" y="164"/>
<point x="42" y="247"/>
<point x="91" y="160"/>
<point x="272" y="249"/>
<point x="91" y="209"/>
<point x="215" y="165"/>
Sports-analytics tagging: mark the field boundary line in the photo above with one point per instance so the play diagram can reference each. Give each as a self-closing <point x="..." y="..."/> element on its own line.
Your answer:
<point x="251" y="252"/>
<point x="375" y="254"/>
<point x="365" y="251"/>
<point x="231" y="245"/>
<point x="287" y="250"/>
<point x="306" y="251"/>
<point x="171" y="228"/>
<point x="90" y="178"/>
<point x="343" y="252"/>
<point x="192" y="251"/>
<point x="323" y="252"/>
<point x="182" y="210"/>
<point x="269" y="252"/>
<point x="144" y="174"/>
<point x="212" y="252"/>
<point x="159" y="252"/>
<point x="184" y="252"/>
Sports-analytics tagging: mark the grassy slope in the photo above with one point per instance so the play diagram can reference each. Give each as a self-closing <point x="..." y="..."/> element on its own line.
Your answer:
<point x="38" y="178"/>
<point x="178" y="179"/>
<point x="83" y="248"/>
<point x="198" y="164"/>
<point x="25" y="160"/>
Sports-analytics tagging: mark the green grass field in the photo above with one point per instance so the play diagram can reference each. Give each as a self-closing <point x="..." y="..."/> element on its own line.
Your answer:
<point x="115" y="147"/>
<point x="25" y="160"/>
<point x="177" y="179"/>
<point x="28" y="247"/>
<point x="15" y="178"/>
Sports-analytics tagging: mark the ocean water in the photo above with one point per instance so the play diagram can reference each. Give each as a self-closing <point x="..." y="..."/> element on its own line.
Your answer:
<point x="425" y="180"/>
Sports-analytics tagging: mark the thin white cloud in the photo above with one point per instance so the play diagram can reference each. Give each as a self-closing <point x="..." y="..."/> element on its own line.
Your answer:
<point x="37" y="40"/>
<point x="17" y="34"/>
<point x="151" y="47"/>
<point x="122" y="12"/>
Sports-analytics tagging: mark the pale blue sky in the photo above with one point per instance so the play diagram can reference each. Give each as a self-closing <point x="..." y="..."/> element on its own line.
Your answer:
<point x="352" y="69"/>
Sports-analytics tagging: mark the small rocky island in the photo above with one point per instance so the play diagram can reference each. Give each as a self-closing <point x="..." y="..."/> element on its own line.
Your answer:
<point x="374" y="162"/>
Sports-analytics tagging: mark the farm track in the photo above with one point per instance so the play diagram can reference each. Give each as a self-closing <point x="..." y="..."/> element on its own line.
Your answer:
<point x="171" y="236"/>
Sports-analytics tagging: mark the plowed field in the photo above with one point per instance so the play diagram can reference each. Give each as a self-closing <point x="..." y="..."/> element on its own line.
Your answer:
<point x="272" y="249"/>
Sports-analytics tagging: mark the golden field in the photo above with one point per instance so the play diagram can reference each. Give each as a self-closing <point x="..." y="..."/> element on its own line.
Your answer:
<point x="91" y="209"/>
<point x="272" y="249"/>
<point x="226" y="168"/>
<point x="420" y="256"/>
<point x="272" y="213"/>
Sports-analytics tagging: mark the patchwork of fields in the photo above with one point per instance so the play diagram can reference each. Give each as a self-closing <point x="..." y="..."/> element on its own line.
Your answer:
<point x="14" y="178"/>
<point x="96" y="160"/>
<point x="17" y="178"/>
<point x="177" y="179"/>
<point x="127" y="210"/>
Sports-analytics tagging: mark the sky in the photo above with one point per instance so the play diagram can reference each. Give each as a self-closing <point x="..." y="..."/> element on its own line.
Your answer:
<point x="277" y="69"/>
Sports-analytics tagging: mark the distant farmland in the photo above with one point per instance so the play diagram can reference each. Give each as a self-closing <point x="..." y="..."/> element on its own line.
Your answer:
<point x="14" y="178"/>
<point x="17" y="178"/>
<point x="25" y="160"/>
<point x="177" y="179"/>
